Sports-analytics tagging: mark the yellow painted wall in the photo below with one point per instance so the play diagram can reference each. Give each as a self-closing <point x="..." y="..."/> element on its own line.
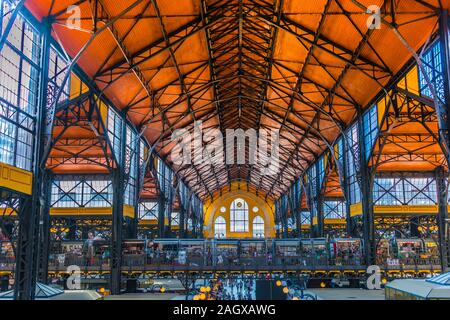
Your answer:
<point x="357" y="209"/>
<point x="128" y="211"/>
<point x="16" y="179"/>
<point x="212" y="211"/>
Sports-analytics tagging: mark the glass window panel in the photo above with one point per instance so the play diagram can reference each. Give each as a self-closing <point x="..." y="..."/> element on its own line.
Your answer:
<point x="370" y="125"/>
<point x="220" y="228"/>
<point x="258" y="227"/>
<point x="432" y="65"/>
<point x="306" y="218"/>
<point x="86" y="193"/>
<point x="239" y="216"/>
<point x="115" y="131"/>
<point x="352" y="159"/>
<point x="19" y="76"/>
<point x="148" y="210"/>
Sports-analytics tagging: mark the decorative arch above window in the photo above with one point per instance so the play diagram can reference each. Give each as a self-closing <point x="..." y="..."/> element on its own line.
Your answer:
<point x="239" y="216"/>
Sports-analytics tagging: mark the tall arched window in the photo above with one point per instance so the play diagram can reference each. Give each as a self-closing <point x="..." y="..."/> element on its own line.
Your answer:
<point x="258" y="227"/>
<point x="239" y="216"/>
<point x="220" y="228"/>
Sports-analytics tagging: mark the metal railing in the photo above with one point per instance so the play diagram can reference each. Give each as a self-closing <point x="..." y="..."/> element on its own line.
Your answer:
<point x="207" y="254"/>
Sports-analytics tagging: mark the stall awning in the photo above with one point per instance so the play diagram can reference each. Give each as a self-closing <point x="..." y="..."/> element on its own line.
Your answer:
<point x="421" y="288"/>
<point x="442" y="279"/>
<point x="43" y="291"/>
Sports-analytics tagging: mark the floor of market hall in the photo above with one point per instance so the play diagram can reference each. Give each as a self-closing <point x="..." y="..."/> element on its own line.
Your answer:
<point x="322" y="294"/>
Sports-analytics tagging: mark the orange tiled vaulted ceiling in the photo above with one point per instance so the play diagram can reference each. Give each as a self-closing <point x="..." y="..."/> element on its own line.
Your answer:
<point x="303" y="67"/>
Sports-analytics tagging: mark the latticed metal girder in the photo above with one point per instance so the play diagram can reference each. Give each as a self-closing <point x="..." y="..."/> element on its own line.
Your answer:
<point x="242" y="81"/>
